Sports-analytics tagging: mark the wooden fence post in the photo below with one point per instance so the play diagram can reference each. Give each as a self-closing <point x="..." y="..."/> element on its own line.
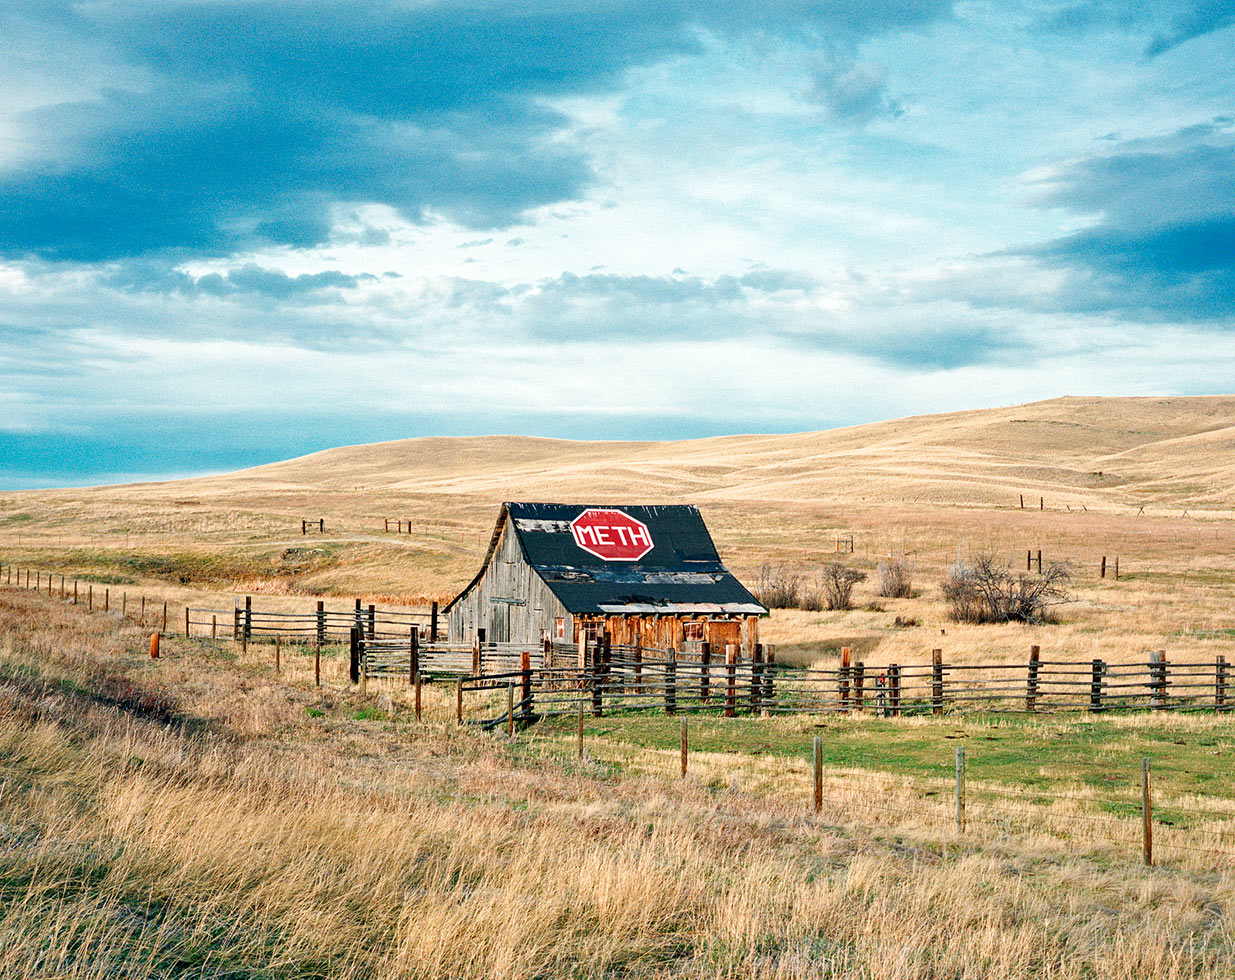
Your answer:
<point x="705" y="669"/>
<point x="844" y="679"/>
<point x="580" y="729"/>
<point x="684" y="747"/>
<point x="278" y="653"/>
<point x="671" y="694"/>
<point x="372" y="621"/>
<point x="1157" y="679"/>
<point x="433" y="621"/>
<point x="1095" y="685"/>
<point x="1117" y="568"/>
<point x="235" y="624"/>
<point x="1031" y="687"/>
<point x="817" y="766"/>
<point x="1147" y="829"/>
<point x="89" y="596"/>
<point x="756" y="677"/>
<point x="353" y="655"/>
<point x="459" y="702"/>
<point x="596" y="669"/>
<point x="321" y="525"/>
<point x="317" y="665"/>
<point x="510" y="710"/>
<point x="638" y="664"/>
<point x="1029" y="560"/>
<point x="960" y="789"/>
<point x="525" y="671"/>
<point x="143" y="610"/>
<point x="859" y="674"/>
<point x="769" y="676"/>
<point x="1039" y="561"/>
<point x="413" y="655"/>
<point x="248" y="616"/>
<point x="74" y="591"/>
<point x="186" y="632"/>
<point x="894" y="689"/>
<point x="214" y="631"/>
<point x="107" y="601"/>
<point x="321" y="622"/>
<point x="1220" y="683"/>
<point x="1102" y="572"/>
<point x="731" y="680"/>
<point x="606" y="663"/>
<point x="418" y="695"/>
<point x="937" y="682"/>
<point x="186" y="620"/>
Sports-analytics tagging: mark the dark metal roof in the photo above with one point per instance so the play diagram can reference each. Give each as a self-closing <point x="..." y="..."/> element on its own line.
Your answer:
<point x="682" y="573"/>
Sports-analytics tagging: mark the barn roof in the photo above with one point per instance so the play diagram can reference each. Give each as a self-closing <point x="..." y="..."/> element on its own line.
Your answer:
<point x="681" y="573"/>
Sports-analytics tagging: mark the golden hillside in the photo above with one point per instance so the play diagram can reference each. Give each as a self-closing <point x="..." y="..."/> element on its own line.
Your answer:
<point x="1103" y="452"/>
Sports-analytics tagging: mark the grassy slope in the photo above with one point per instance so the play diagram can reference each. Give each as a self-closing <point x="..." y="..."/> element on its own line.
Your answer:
<point x="930" y="488"/>
<point x="201" y="817"/>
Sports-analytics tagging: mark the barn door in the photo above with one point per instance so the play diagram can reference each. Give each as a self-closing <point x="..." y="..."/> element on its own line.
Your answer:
<point x="499" y="623"/>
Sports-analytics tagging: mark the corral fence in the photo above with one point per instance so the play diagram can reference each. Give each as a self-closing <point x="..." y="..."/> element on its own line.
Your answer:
<point x="608" y="678"/>
<point x="322" y="626"/>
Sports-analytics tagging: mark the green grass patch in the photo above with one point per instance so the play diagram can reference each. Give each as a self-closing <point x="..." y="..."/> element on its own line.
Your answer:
<point x="1188" y="754"/>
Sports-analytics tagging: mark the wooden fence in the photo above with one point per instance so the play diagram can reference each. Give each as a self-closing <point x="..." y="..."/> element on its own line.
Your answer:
<point x="627" y="678"/>
<point x="322" y="625"/>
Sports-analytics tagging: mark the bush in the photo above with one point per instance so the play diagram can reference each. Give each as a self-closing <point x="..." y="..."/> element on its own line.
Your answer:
<point x="836" y="584"/>
<point x="895" y="579"/>
<point x="777" y="588"/>
<point x="980" y="591"/>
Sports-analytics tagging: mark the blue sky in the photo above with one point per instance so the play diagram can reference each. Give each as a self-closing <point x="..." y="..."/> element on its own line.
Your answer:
<point x="238" y="231"/>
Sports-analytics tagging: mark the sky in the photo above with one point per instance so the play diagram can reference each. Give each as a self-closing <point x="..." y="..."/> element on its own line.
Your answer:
<point x="233" y="232"/>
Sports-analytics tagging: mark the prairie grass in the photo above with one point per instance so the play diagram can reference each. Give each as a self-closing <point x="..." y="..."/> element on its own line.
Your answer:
<point x="190" y="817"/>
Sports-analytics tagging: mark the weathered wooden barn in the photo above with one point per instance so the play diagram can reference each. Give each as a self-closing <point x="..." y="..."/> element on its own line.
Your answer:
<point x="564" y="571"/>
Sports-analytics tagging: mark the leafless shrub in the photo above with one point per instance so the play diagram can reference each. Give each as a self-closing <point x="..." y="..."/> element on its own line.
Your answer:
<point x="980" y="591"/>
<point x="777" y="587"/>
<point x="836" y="584"/>
<point x="895" y="579"/>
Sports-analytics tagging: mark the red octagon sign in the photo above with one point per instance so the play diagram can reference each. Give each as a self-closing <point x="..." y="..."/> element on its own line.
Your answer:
<point x="611" y="534"/>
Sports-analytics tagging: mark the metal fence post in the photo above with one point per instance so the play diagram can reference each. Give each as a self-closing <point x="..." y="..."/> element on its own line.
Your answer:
<point x="1147" y="830"/>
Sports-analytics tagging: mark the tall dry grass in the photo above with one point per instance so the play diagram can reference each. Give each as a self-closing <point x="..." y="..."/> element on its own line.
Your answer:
<point x="172" y="827"/>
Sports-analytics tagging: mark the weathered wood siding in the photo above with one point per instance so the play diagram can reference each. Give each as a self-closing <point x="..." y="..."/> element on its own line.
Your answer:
<point x="511" y="603"/>
<point x="663" y="632"/>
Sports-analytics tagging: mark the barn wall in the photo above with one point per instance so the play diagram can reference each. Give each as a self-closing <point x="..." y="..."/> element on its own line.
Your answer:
<point x="530" y="609"/>
<point x="663" y="632"/>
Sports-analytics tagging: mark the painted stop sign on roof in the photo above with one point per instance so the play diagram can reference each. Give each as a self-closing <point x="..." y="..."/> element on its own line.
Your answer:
<point x="611" y="534"/>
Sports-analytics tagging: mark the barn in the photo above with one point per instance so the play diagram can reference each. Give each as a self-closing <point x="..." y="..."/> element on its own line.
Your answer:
<point x="566" y="571"/>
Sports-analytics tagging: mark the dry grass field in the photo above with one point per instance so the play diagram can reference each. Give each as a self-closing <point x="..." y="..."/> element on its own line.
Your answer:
<point x="202" y="816"/>
<point x="205" y="816"/>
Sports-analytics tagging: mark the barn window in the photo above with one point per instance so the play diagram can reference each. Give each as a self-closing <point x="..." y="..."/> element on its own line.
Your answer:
<point x="559" y="627"/>
<point x="692" y="631"/>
